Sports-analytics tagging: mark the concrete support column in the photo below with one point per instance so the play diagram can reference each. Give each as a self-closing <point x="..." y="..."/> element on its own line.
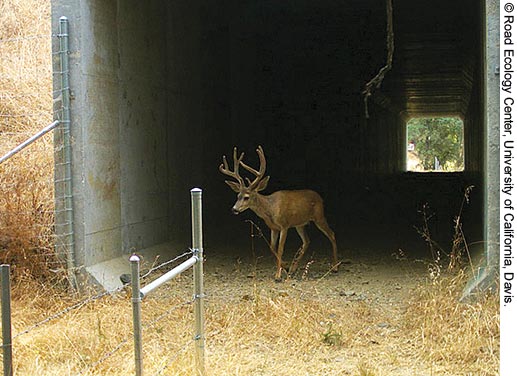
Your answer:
<point x="492" y="132"/>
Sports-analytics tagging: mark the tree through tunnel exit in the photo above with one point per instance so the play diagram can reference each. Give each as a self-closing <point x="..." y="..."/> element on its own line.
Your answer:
<point x="435" y="144"/>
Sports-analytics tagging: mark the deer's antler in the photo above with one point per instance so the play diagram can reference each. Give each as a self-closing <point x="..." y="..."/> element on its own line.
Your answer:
<point x="225" y="169"/>
<point x="259" y="174"/>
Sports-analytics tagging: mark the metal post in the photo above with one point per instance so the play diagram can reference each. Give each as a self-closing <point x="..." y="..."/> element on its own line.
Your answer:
<point x="197" y="247"/>
<point x="67" y="162"/>
<point x="137" y="312"/>
<point x="6" y="321"/>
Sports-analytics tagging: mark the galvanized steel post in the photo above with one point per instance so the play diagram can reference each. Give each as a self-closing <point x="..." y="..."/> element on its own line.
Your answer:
<point x="197" y="248"/>
<point x="136" y="299"/>
<point x="6" y="321"/>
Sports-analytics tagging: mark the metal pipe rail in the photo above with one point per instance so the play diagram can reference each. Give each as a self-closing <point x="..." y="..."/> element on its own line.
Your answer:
<point x="29" y="141"/>
<point x="196" y="261"/>
<point x="167" y="276"/>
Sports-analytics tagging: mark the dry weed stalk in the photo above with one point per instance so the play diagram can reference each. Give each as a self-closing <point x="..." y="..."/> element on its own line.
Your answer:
<point x="459" y="246"/>
<point x="435" y="266"/>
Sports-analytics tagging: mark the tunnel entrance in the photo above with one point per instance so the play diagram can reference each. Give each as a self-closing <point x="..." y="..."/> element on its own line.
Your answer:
<point x="164" y="89"/>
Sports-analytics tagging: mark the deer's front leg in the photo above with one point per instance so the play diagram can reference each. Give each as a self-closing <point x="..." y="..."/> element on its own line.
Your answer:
<point x="274" y="242"/>
<point x="280" y="251"/>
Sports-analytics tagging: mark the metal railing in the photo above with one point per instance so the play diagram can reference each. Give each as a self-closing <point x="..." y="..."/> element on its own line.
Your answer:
<point x="196" y="261"/>
<point x="29" y="141"/>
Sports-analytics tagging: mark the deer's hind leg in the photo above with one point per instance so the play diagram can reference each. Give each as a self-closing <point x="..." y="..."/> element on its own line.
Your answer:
<point x="325" y="229"/>
<point x="305" y="244"/>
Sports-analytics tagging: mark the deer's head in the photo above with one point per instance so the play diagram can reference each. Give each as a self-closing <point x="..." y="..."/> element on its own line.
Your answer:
<point x="246" y="191"/>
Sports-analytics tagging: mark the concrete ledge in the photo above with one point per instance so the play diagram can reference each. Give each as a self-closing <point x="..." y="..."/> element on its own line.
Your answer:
<point x="108" y="273"/>
<point x="485" y="280"/>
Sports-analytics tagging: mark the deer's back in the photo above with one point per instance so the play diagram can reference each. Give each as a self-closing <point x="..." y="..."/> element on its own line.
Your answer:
<point x="296" y="207"/>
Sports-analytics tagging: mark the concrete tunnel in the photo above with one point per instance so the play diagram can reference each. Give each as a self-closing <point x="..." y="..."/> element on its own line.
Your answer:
<point x="162" y="89"/>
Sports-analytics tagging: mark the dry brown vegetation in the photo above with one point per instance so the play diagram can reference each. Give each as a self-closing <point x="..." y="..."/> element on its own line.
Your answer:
<point x="449" y="332"/>
<point x="371" y="319"/>
<point x="26" y="187"/>
<point x="395" y="321"/>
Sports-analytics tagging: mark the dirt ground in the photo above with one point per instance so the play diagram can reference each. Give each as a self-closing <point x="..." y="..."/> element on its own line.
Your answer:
<point x="354" y="322"/>
<point x="379" y="315"/>
<point x="387" y="281"/>
<point x="355" y="316"/>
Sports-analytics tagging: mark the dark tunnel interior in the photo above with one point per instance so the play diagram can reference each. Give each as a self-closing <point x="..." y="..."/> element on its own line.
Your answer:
<point x="289" y="76"/>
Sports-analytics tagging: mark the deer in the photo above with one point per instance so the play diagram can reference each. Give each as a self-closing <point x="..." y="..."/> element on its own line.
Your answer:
<point x="280" y="210"/>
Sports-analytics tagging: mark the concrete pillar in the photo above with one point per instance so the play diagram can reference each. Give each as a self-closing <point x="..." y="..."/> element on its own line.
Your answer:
<point x="492" y="132"/>
<point x="487" y="273"/>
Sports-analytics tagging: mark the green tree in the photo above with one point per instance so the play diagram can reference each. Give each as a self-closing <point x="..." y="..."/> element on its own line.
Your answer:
<point x="440" y="138"/>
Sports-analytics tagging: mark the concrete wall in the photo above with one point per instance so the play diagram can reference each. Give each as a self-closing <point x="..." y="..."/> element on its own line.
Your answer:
<point x="491" y="145"/>
<point x="143" y="123"/>
<point x="94" y="129"/>
<point x="163" y="89"/>
<point x="119" y="127"/>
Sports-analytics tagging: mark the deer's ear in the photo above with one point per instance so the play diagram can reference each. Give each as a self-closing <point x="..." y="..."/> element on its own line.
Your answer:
<point x="263" y="184"/>
<point x="233" y="185"/>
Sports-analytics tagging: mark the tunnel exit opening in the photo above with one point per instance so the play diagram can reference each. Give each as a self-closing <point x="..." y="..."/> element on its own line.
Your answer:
<point x="435" y="144"/>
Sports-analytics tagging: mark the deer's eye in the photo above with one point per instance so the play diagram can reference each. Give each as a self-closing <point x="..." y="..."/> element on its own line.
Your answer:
<point x="246" y="198"/>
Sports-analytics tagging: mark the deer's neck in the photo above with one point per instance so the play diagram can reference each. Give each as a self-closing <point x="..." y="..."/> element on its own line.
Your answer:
<point x="262" y="206"/>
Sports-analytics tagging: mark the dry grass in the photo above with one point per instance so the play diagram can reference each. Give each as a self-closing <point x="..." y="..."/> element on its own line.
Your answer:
<point x="26" y="187"/>
<point x="447" y="332"/>
<point x="257" y="327"/>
